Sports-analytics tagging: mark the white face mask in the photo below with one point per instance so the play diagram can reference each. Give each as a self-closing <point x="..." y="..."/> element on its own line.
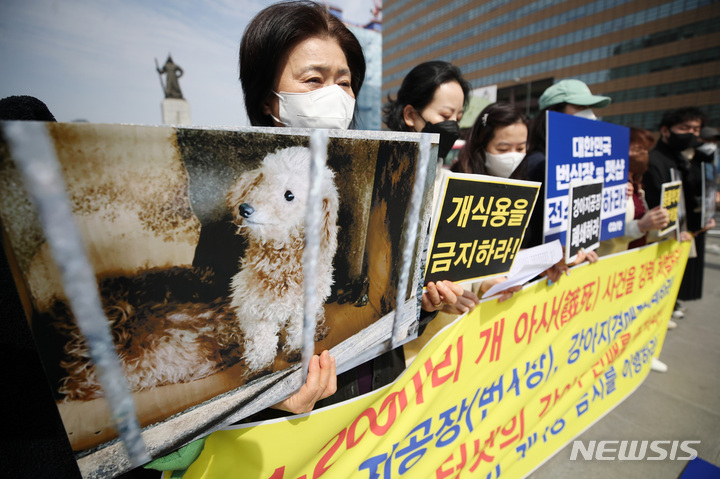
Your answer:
<point x="586" y="113"/>
<point x="503" y="164"/>
<point x="707" y="148"/>
<point x="327" y="107"/>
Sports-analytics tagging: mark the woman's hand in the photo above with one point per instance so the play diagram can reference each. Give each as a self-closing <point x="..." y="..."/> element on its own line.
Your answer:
<point x="579" y="258"/>
<point x="448" y="297"/>
<point x="464" y="304"/>
<point x="592" y="257"/>
<point x="655" y="219"/>
<point x="582" y="256"/>
<point x="502" y="295"/>
<point x="321" y="382"/>
<point x="555" y="271"/>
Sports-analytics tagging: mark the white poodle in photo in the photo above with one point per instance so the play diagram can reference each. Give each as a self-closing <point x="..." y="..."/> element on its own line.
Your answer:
<point x="268" y="205"/>
<point x="170" y="328"/>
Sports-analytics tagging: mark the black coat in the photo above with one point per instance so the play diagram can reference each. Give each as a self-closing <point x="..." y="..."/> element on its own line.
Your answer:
<point x="663" y="160"/>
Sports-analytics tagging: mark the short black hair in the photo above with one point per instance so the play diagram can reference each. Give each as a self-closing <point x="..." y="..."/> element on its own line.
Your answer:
<point x="418" y="89"/>
<point x="276" y="29"/>
<point x="681" y="115"/>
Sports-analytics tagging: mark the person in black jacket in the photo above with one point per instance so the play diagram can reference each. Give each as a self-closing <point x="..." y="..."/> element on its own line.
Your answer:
<point x="679" y="129"/>
<point x="675" y="158"/>
<point x="34" y="441"/>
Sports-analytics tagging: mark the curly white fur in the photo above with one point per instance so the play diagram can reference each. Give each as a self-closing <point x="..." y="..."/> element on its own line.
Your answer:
<point x="268" y="205"/>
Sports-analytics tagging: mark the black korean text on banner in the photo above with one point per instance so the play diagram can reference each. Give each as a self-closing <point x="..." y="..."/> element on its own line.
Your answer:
<point x="478" y="226"/>
<point x="584" y="223"/>
<point x="579" y="149"/>
<point x="670" y="200"/>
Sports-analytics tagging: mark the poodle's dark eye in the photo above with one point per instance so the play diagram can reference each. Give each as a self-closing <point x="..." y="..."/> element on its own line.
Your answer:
<point x="289" y="196"/>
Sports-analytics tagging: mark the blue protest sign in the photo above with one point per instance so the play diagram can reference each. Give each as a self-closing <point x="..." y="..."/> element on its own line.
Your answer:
<point x="583" y="150"/>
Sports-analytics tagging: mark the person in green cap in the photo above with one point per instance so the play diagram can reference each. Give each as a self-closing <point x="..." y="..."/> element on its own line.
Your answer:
<point x="572" y="97"/>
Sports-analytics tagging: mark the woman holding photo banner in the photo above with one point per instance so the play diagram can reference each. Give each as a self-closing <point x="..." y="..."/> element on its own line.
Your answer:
<point x="431" y="99"/>
<point x="300" y="66"/>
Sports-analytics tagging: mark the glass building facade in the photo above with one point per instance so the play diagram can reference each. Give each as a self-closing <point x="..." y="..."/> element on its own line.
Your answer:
<point x="649" y="56"/>
<point x="368" y="102"/>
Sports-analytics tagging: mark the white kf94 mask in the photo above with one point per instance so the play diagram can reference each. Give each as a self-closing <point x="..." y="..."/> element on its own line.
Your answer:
<point x="586" y="113"/>
<point x="503" y="164"/>
<point x="327" y="107"/>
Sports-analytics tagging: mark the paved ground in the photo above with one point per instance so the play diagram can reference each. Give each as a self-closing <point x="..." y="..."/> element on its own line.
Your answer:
<point x="681" y="404"/>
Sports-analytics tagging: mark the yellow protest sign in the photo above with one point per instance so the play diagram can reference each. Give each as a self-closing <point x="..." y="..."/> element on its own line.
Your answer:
<point x="670" y="200"/>
<point x="494" y="394"/>
<point x="478" y="226"/>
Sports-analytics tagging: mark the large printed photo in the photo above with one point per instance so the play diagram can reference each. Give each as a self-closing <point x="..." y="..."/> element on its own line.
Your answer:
<point x="196" y="239"/>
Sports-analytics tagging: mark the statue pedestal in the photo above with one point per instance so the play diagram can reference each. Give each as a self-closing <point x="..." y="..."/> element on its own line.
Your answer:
<point x="176" y="111"/>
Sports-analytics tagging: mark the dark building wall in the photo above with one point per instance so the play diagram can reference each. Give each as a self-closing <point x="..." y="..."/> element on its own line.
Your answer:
<point x="648" y="55"/>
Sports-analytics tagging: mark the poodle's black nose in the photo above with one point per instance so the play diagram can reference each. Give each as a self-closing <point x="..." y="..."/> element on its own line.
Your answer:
<point x="246" y="210"/>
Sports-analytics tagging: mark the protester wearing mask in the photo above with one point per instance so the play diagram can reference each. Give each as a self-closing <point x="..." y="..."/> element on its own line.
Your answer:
<point x="674" y="157"/>
<point x="572" y="97"/>
<point x="639" y="220"/>
<point x="641" y="142"/>
<point x="496" y="147"/>
<point x="497" y="143"/>
<point x="431" y="99"/>
<point x="679" y="130"/>
<point x="301" y="67"/>
<point x="709" y="137"/>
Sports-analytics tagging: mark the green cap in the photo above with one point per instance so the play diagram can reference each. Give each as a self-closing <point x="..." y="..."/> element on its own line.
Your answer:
<point x="574" y="92"/>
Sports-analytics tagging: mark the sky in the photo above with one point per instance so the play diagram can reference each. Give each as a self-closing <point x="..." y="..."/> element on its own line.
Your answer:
<point x="94" y="60"/>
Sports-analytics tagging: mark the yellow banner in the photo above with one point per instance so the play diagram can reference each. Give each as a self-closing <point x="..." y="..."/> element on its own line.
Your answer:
<point x="493" y="395"/>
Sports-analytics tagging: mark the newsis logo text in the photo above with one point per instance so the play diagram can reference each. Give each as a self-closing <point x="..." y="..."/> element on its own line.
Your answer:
<point x="634" y="450"/>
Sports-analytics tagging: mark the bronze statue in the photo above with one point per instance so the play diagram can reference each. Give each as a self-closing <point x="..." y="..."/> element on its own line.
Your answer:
<point x="171" y="85"/>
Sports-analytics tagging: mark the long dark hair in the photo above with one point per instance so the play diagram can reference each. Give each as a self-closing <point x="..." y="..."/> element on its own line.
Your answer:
<point x="418" y="89"/>
<point x="472" y="156"/>
<point x="272" y="33"/>
<point x="537" y="133"/>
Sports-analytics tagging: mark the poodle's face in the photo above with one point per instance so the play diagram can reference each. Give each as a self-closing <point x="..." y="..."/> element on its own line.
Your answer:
<point x="268" y="203"/>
